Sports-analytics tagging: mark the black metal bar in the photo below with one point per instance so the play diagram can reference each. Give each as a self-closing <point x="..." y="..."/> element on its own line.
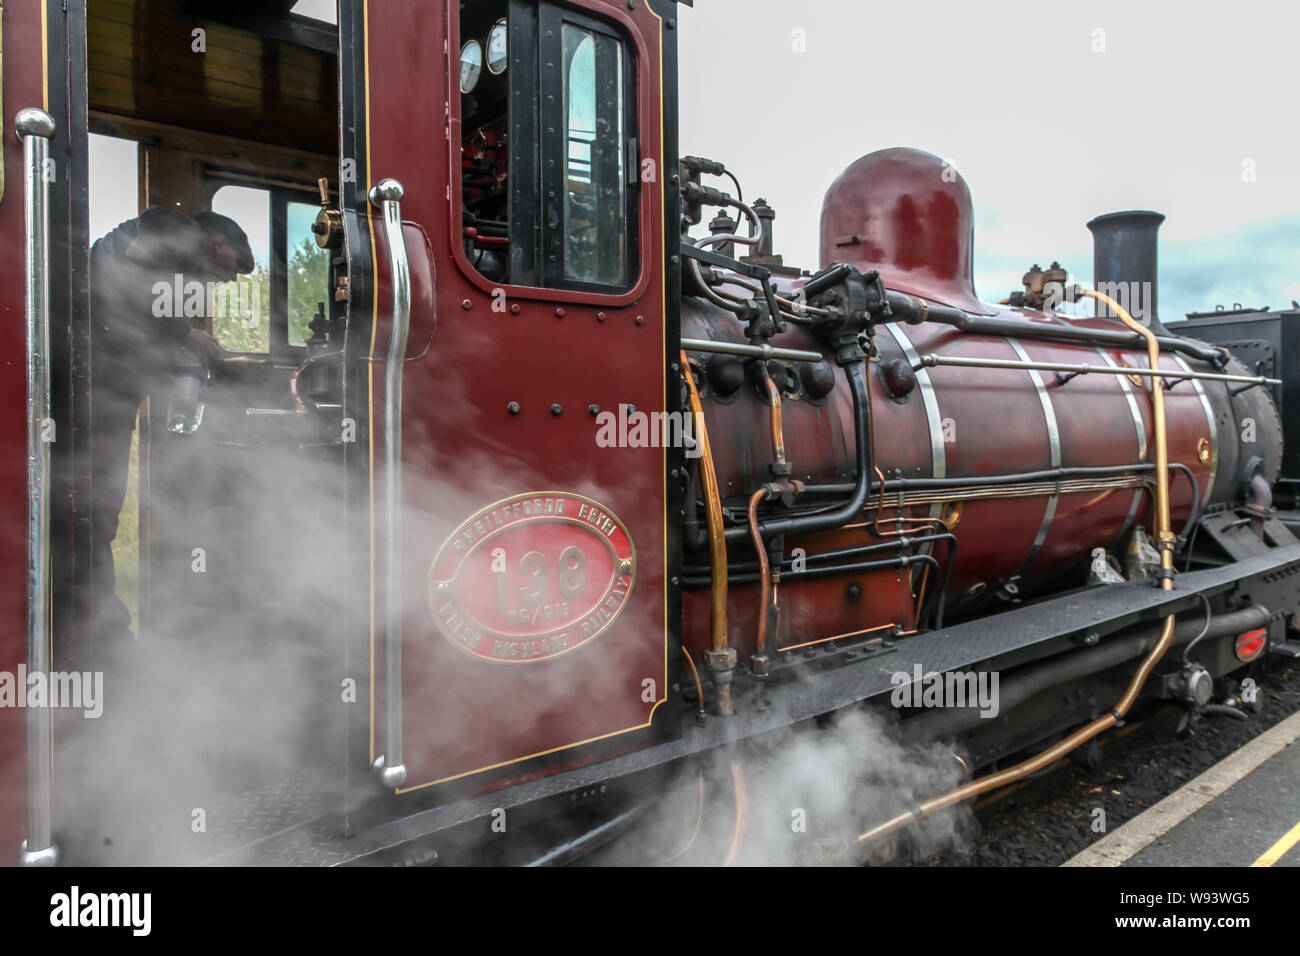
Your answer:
<point x="725" y="262"/>
<point x="1020" y="329"/>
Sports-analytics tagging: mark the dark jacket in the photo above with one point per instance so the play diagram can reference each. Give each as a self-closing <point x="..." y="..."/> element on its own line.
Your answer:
<point x="133" y="276"/>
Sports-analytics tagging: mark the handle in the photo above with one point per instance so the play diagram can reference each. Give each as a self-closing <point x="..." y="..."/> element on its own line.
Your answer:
<point x="35" y="127"/>
<point x="387" y="197"/>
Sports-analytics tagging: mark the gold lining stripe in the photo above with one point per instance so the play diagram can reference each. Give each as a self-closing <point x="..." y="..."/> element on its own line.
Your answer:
<point x="663" y="393"/>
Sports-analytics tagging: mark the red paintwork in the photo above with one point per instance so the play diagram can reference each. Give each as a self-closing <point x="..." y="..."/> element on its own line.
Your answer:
<point x="23" y="65"/>
<point x="463" y="450"/>
<point x="907" y="213"/>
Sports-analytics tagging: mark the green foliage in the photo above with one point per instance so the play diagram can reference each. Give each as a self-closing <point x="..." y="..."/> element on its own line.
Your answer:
<point x="308" y="281"/>
<point x="309" y="275"/>
<point x="236" y="331"/>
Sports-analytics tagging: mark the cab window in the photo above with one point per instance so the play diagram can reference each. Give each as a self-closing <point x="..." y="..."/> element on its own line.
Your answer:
<point x="549" y="152"/>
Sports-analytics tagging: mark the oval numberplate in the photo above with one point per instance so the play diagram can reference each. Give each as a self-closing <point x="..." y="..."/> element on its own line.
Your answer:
<point x="532" y="577"/>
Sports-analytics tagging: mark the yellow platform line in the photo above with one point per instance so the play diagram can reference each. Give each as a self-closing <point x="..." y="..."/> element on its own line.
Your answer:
<point x="1280" y="848"/>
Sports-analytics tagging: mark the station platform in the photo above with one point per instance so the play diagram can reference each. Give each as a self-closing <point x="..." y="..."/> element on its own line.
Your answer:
<point x="1243" y="811"/>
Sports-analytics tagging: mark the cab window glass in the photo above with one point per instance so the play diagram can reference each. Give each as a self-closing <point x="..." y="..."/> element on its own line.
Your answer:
<point x="595" y="200"/>
<point x="308" y="271"/>
<point x="241" y="310"/>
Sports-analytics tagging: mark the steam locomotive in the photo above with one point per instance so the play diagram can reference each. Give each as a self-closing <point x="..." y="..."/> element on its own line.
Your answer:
<point x="567" y="499"/>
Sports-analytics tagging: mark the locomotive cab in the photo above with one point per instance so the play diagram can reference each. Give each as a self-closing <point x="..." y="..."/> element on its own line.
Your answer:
<point x="360" y="548"/>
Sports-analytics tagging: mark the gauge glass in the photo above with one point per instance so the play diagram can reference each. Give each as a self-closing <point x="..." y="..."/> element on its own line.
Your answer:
<point x="471" y="65"/>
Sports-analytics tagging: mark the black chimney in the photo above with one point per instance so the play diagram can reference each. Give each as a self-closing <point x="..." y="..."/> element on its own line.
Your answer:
<point x="1124" y="263"/>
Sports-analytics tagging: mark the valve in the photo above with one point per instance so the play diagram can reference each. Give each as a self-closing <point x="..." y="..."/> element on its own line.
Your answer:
<point x="328" y="227"/>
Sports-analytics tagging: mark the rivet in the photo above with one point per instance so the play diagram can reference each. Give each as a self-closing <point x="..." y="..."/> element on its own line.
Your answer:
<point x="557" y="408"/>
<point x="559" y="313"/>
<point x="466" y="304"/>
<point x="514" y="308"/>
<point x="593" y="408"/>
<point x="601" y="316"/>
<point x="513" y="408"/>
<point x="640" y="320"/>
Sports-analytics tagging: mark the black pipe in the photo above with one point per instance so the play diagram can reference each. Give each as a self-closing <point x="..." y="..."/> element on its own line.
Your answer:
<point x="1195" y="514"/>
<point x="977" y="481"/>
<point x="1113" y="652"/>
<point x="695" y="535"/>
<point x="906" y="308"/>
<point x="1019" y="329"/>
<point x="1223" y="710"/>
<point x="744" y="567"/>
<point x="837" y="517"/>
<point x="937" y="606"/>
<point x="902" y="561"/>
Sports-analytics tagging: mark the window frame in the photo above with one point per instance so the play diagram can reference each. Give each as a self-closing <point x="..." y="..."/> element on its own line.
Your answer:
<point x="555" y="168"/>
<point x="525" y="122"/>
<point x="280" y="195"/>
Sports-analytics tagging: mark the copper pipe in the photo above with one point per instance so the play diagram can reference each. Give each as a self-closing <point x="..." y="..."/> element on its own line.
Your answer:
<point x="742" y="813"/>
<point x="699" y="687"/>
<point x="875" y="525"/>
<point x="1165" y="538"/>
<point x="837" y="637"/>
<point x="912" y="524"/>
<point x="774" y="402"/>
<point x="717" y="542"/>
<point x="764" y="571"/>
<point x="1034" y="764"/>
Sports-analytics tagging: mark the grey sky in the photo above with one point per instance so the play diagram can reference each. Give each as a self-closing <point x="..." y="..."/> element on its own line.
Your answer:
<point x="1047" y="132"/>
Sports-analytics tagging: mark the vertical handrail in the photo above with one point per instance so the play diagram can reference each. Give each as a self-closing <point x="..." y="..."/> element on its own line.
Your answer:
<point x="35" y="127"/>
<point x="387" y="197"/>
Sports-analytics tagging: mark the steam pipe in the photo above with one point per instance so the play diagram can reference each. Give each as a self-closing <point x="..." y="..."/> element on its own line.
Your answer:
<point x="764" y="572"/>
<point x="35" y="128"/>
<point x="1016" y="328"/>
<point x="830" y="520"/>
<point x="751" y="351"/>
<point x="932" y="361"/>
<point x="387" y="196"/>
<point x="899" y="562"/>
<point x="701" y="574"/>
<point x="721" y="658"/>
